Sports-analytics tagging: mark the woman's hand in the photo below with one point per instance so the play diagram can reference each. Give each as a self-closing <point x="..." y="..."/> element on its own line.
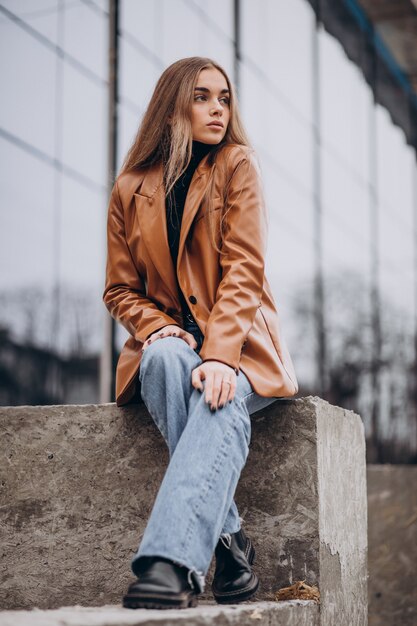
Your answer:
<point x="171" y="330"/>
<point x="220" y="382"/>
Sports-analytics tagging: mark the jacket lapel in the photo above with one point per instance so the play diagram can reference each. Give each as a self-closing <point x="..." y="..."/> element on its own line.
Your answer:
<point x="153" y="231"/>
<point x="193" y="200"/>
<point x="151" y="212"/>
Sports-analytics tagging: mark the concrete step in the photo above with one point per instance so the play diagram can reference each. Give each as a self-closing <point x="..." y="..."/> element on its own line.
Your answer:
<point x="78" y="483"/>
<point x="288" y="613"/>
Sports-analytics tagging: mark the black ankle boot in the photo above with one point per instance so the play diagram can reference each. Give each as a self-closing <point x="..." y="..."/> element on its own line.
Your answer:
<point x="233" y="579"/>
<point x="161" y="584"/>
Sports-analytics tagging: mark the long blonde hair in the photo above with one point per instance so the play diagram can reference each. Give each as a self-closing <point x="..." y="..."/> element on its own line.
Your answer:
<point x="157" y="140"/>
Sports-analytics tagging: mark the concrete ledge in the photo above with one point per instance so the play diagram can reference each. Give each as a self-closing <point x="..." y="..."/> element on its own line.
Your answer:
<point x="293" y="613"/>
<point x="78" y="484"/>
<point x="392" y="535"/>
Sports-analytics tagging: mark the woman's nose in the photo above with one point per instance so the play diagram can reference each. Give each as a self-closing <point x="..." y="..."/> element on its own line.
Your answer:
<point x="218" y="107"/>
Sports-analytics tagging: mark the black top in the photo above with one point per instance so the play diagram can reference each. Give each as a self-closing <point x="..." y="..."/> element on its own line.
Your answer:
<point x="175" y="207"/>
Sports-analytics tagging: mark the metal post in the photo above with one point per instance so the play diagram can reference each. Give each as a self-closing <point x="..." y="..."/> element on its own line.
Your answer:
<point x="413" y="430"/>
<point x="319" y="309"/>
<point x="236" y="45"/>
<point x="109" y="352"/>
<point x="373" y="454"/>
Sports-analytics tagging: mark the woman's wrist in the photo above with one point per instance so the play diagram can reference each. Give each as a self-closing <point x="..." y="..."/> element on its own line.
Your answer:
<point x="218" y="361"/>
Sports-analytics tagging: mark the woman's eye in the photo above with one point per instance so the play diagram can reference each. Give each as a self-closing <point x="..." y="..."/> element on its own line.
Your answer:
<point x="226" y="100"/>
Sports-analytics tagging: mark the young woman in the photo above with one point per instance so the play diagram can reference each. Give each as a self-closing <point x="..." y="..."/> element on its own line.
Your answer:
<point x="187" y="233"/>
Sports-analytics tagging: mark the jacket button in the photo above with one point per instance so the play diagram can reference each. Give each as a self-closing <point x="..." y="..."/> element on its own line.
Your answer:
<point x="193" y="299"/>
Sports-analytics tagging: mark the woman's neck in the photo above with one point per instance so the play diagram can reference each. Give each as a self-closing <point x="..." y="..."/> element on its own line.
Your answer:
<point x="200" y="149"/>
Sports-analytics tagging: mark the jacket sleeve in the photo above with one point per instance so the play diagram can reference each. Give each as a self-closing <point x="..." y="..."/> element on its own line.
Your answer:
<point x="242" y="264"/>
<point x="124" y="293"/>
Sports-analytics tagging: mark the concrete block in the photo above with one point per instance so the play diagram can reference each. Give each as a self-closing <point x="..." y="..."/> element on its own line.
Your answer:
<point x="78" y="484"/>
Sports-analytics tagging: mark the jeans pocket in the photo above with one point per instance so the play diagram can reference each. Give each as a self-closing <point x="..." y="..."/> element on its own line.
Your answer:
<point x="197" y="334"/>
<point x="199" y="339"/>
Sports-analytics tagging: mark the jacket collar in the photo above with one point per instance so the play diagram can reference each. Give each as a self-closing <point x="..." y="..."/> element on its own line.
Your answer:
<point x="151" y="212"/>
<point x="152" y="178"/>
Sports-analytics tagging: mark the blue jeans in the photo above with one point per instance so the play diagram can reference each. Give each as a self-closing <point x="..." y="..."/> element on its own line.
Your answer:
<point x="208" y="450"/>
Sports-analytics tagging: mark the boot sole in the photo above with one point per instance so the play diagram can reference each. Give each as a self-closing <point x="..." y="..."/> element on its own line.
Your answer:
<point x="233" y="597"/>
<point x="149" y="601"/>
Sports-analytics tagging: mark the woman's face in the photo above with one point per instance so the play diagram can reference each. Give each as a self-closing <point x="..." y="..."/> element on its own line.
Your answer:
<point x="210" y="104"/>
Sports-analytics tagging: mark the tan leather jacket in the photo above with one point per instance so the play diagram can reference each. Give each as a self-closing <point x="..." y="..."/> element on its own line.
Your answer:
<point x="228" y="295"/>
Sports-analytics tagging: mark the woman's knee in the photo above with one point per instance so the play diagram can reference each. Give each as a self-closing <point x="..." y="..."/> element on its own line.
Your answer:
<point x="159" y="352"/>
<point x="164" y="353"/>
